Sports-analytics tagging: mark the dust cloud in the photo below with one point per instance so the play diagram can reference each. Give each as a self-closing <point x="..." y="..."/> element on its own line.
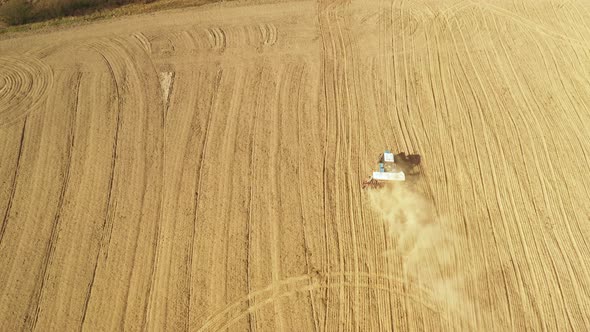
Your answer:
<point x="435" y="258"/>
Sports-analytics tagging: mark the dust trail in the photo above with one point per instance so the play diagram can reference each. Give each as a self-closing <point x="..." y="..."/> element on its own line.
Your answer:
<point x="434" y="257"/>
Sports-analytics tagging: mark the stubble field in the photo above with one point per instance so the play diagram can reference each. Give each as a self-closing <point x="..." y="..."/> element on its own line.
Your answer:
<point x="201" y="169"/>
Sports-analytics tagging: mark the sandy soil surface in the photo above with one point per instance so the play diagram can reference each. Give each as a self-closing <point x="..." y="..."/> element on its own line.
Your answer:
<point x="201" y="169"/>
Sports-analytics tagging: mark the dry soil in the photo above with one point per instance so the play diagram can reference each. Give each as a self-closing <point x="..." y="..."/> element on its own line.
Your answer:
<point x="201" y="169"/>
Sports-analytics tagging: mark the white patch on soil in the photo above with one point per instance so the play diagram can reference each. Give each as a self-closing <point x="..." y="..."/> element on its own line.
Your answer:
<point x="166" y="79"/>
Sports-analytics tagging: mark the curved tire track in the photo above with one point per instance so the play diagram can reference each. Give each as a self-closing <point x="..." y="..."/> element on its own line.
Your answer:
<point x="24" y="82"/>
<point x="224" y="318"/>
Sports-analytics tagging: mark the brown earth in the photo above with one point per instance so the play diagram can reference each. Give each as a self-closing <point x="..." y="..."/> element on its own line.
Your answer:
<point x="201" y="169"/>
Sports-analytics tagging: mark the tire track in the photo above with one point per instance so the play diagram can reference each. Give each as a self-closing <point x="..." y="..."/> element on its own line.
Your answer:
<point x="199" y="41"/>
<point x="494" y="175"/>
<point x="336" y="284"/>
<point x="178" y="167"/>
<point x="217" y="39"/>
<point x="488" y="215"/>
<point x="404" y="134"/>
<point x="295" y="225"/>
<point x="38" y="196"/>
<point x="55" y="228"/>
<point x="321" y="16"/>
<point x="24" y="82"/>
<point x="406" y="146"/>
<point x="544" y="189"/>
<point x="331" y="15"/>
<point x="232" y="127"/>
<point x="137" y="86"/>
<point x="268" y="33"/>
<point x="562" y="211"/>
<point x="390" y="102"/>
<point x="107" y="227"/>
<point x="302" y="206"/>
<point x="531" y="25"/>
<point x="540" y="172"/>
<point x="14" y="182"/>
<point x="443" y="103"/>
<point x="273" y="245"/>
<point x="519" y="219"/>
<point x="187" y="135"/>
<point x="495" y="178"/>
<point x="345" y="99"/>
<point x="549" y="124"/>
<point x="305" y="283"/>
<point x="249" y="262"/>
<point x="198" y="183"/>
<point x="144" y="41"/>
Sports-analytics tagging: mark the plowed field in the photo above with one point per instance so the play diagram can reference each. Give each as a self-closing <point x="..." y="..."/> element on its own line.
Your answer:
<point x="201" y="169"/>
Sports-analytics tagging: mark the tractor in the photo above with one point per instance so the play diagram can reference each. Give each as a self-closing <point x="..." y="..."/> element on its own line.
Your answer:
<point x="392" y="168"/>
